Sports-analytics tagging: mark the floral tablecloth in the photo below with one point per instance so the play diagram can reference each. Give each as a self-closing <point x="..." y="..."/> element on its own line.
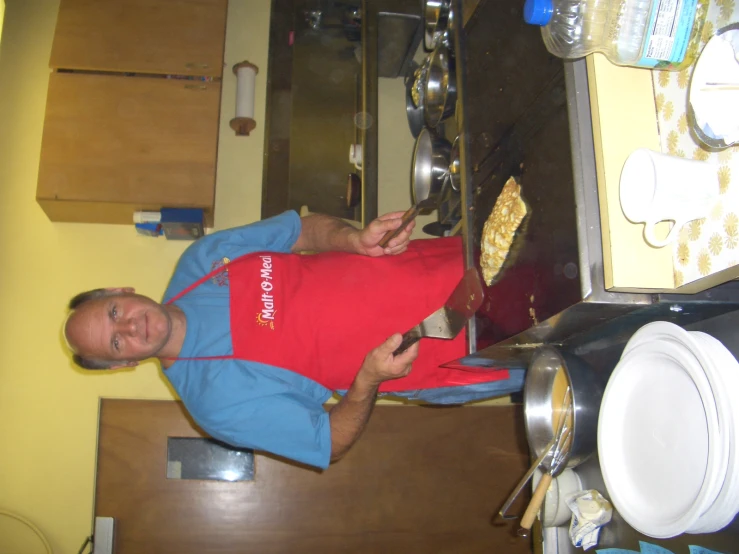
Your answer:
<point x="709" y="245"/>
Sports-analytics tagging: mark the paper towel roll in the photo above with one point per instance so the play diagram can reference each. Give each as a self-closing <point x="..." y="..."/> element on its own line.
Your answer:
<point x="246" y="74"/>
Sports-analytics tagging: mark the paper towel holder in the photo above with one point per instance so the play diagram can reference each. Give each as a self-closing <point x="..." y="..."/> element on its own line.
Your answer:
<point x="243" y="124"/>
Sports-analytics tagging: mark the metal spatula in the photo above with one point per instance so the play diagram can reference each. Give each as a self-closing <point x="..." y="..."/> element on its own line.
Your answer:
<point x="450" y="319"/>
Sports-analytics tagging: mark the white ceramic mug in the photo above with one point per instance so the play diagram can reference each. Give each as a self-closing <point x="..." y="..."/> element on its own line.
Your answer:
<point x="658" y="187"/>
<point x="355" y="155"/>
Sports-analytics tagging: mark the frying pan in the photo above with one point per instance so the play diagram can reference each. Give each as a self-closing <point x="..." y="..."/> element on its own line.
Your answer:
<point x="429" y="172"/>
<point x="440" y="87"/>
<point x="414" y="112"/>
<point x="436" y="22"/>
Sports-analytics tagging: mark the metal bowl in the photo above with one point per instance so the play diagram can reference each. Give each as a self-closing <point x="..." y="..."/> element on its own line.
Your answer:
<point x="712" y="143"/>
<point x="586" y="388"/>
<point x="440" y="87"/>
<point x="436" y="22"/>
<point x="412" y="111"/>
<point x="430" y="165"/>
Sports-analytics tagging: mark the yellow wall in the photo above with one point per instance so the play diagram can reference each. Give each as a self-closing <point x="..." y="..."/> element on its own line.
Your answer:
<point x="395" y="150"/>
<point x="2" y="15"/>
<point x="48" y="410"/>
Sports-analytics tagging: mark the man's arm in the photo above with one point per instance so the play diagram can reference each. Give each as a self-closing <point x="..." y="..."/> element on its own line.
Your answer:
<point x="350" y="415"/>
<point x="322" y="233"/>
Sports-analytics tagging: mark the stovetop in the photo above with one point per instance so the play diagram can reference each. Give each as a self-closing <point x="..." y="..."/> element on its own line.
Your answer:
<point x="512" y="116"/>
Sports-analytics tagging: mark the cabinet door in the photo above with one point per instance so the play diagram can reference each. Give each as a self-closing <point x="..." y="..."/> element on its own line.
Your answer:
<point x="114" y="143"/>
<point x="178" y="37"/>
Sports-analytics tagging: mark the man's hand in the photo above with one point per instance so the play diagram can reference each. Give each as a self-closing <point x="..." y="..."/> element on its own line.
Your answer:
<point x="380" y="365"/>
<point x="368" y="239"/>
<point x="350" y="415"/>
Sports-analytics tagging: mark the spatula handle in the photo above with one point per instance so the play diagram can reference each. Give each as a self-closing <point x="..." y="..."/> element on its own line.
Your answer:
<point x="408" y="216"/>
<point x="409" y="339"/>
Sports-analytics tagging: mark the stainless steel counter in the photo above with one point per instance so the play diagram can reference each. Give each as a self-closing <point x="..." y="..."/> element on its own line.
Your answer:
<point x="559" y="260"/>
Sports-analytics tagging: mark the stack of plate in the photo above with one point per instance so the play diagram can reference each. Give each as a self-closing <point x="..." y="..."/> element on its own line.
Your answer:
<point x="667" y="432"/>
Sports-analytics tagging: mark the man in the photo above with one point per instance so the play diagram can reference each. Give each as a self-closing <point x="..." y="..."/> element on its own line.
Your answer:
<point x="254" y="337"/>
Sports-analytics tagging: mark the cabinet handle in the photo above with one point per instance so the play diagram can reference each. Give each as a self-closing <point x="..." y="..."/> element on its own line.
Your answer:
<point x="196" y="87"/>
<point x="193" y="65"/>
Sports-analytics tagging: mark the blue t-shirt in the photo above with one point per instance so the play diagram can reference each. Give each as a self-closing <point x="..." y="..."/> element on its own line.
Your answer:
<point x="250" y="404"/>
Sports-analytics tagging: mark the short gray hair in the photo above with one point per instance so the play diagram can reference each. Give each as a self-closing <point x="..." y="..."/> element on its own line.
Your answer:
<point x="74" y="304"/>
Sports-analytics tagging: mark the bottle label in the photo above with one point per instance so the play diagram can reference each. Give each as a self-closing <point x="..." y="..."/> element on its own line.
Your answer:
<point x="668" y="31"/>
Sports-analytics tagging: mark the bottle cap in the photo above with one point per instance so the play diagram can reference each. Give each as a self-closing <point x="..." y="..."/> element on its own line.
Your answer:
<point x="538" y="12"/>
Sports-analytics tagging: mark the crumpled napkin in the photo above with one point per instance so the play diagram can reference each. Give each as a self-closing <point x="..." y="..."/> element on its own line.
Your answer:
<point x="590" y="512"/>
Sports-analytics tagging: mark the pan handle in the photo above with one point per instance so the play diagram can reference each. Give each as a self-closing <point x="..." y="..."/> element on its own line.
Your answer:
<point x="409" y="339"/>
<point x="408" y="216"/>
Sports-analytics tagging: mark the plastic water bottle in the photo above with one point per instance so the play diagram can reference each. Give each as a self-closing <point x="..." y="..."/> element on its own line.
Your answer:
<point x="659" y="34"/>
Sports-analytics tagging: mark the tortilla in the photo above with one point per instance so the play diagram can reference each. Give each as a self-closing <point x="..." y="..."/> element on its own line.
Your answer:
<point x="500" y="228"/>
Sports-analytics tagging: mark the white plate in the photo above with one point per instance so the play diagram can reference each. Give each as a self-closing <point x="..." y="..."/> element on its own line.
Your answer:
<point x="666" y="331"/>
<point x="726" y="505"/>
<point x="654" y="434"/>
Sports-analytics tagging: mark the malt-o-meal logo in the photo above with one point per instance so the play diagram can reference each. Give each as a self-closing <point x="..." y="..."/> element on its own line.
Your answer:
<point x="266" y="318"/>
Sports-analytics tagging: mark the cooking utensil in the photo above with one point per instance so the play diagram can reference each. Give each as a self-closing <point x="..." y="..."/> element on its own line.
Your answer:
<point x="455" y="171"/>
<point x="546" y="453"/>
<point x="577" y="439"/>
<point x="414" y="110"/>
<point x="435" y="22"/>
<point x="586" y="386"/>
<point x="408" y="216"/>
<point x="554" y="511"/>
<point x="440" y="86"/>
<point x="450" y="319"/>
<point x="557" y="464"/>
<point x="431" y="156"/>
<point x="430" y="170"/>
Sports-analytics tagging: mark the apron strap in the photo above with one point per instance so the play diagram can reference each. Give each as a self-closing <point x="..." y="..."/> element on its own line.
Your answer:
<point x="175" y="358"/>
<point x="185" y="291"/>
<point x="199" y="282"/>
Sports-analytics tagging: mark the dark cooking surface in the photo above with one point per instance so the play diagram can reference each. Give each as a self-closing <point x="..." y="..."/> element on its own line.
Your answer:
<point x="517" y="124"/>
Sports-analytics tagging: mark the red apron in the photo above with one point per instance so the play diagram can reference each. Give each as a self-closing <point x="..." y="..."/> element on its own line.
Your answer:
<point x="319" y="315"/>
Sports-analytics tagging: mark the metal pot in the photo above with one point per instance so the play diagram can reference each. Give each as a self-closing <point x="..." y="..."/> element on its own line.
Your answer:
<point x="440" y="87"/>
<point x="429" y="172"/>
<point x="430" y="166"/>
<point x="436" y="22"/>
<point x="455" y="171"/>
<point x="412" y="111"/>
<point x="586" y="389"/>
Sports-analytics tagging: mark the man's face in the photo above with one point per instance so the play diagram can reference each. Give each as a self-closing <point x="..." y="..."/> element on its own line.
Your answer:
<point x="120" y="328"/>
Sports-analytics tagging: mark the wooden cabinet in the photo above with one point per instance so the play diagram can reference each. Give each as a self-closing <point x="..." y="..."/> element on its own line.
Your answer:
<point x="131" y="142"/>
<point x="132" y="112"/>
<point x="183" y="37"/>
